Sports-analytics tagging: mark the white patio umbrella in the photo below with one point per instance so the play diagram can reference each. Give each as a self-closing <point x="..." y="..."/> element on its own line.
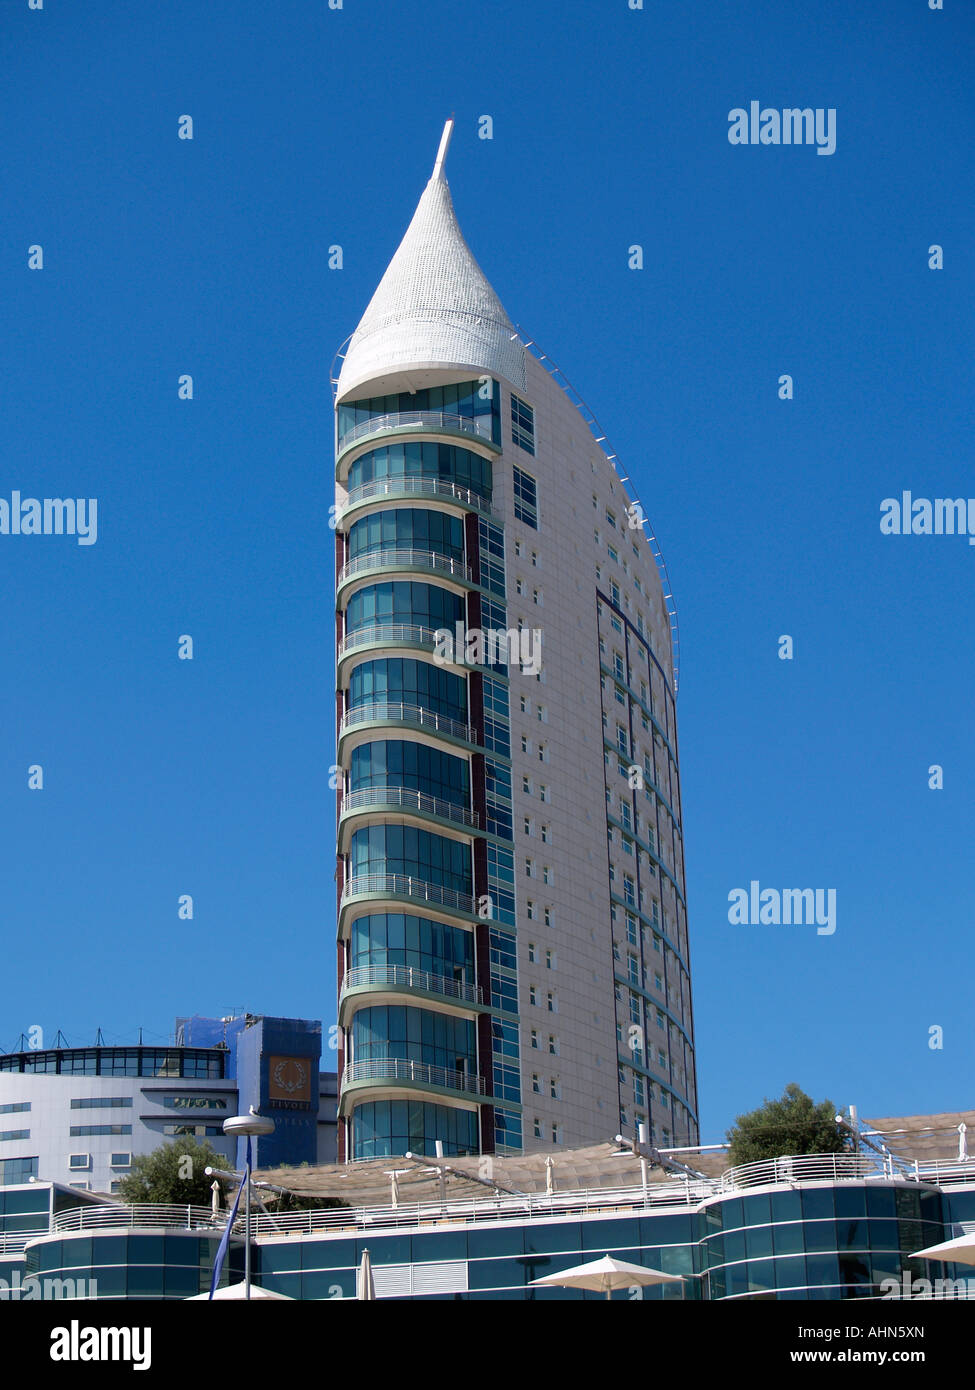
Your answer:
<point x="960" y="1251"/>
<point x="365" y="1285"/>
<point x="962" y="1142"/>
<point x="235" y="1291"/>
<point x="607" y="1274"/>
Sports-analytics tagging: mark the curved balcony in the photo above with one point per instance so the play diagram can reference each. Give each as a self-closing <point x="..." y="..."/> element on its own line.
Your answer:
<point x="407" y="799"/>
<point x="379" y="634"/>
<point x="397" y="977"/>
<point x="414" y="715"/>
<point x="406" y="1071"/>
<point x="406" y="886"/>
<point x="440" y="488"/>
<point x="427" y="560"/>
<point x="416" y="422"/>
<point x="141" y="1215"/>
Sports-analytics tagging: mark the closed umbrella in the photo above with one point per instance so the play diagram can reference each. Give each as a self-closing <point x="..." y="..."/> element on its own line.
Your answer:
<point x="606" y="1275"/>
<point x="365" y="1285"/>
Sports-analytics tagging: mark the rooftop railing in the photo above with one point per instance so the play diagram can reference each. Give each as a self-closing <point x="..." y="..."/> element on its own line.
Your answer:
<point x="140" y="1215"/>
<point x="408" y="977"/>
<point x="405" y="1069"/>
<point x="405" y="559"/>
<point x="407" y="799"/>
<point x="803" y="1168"/>
<point x="408" y="714"/>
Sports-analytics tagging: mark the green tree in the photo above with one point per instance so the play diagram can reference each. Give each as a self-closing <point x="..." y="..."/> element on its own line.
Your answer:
<point x="173" y="1173"/>
<point x="792" y="1125"/>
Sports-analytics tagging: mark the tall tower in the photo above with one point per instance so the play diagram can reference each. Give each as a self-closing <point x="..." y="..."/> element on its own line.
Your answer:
<point x="512" y="935"/>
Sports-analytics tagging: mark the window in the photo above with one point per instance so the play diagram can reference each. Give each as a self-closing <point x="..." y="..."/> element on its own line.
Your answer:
<point x="546" y="839"/>
<point x="529" y="826"/>
<point x="610" y="517"/>
<point x="542" y="713"/>
<point x="532" y="994"/>
<point x="520" y="587"/>
<point x="537" y="597"/>
<point x="613" y="554"/>
<point x="543" y="752"/>
<point x="554" y="1088"/>
<point x="548" y="916"/>
<point x="538" y="1127"/>
<point x="121" y="1160"/>
<point x="614" y="592"/>
<point x="556" y="1133"/>
<point x="553" y="1045"/>
<point x="551" y="1002"/>
<point x="15" y="1107"/>
<point x="534" y="1037"/>
<point x="526" y="498"/>
<point x="543" y="791"/>
<point x="530" y="909"/>
<point x="526" y="785"/>
<point x="102" y="1103"/>
<point x="525" y="704"/>
<point x="82" y="1161"/>
<point x="546" y="873"/>
<point x="518" y="548"/>
<point x="90" y="1131"/>
<point x="531" y="952"/>
<point x="535" y="558"/>
<point x="549" y="959"/>
<point x="11" y="1134"/>
<point x="522" y="427"/>
<point x="536" y="1083"/>
<point x="525" y="744"/>
<point x="530" y="868"/>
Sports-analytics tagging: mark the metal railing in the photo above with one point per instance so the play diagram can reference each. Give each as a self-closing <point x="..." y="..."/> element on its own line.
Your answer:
<point x="432" y="420"/>
<point x="408" y="977"/>
<point x="803" y="1168"/>
<point x="409" y="800"/>
<point x="408" y="714"/>
<point x="387" y="632"/>
<point x="676" y="1192"/>
<point x="405" y="1069"/>
<point x="406" y="886"/>
<point x="404" y="559"/>
<point x="144" y="1215"/>
<point x="946" y="1171"/>
<point x="441" y="488"/>
<point x="13" y="1242"/>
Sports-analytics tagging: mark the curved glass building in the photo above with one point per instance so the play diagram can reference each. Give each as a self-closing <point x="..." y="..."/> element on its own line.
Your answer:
<point x="512" y="935"/>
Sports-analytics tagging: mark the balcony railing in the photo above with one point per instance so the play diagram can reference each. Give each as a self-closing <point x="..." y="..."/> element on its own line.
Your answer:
<point x="409" y="800"/>
<point x="408" y="714"/>
<point x="405" y="1069"/>
<point x="408" y="977"/>
<point x="420" y="487"/>
<point x="405" y="559"/>
<point x="387" y="632"/>
<point x="406" y="886"/>
<point x="422" y="420"/>
<point x="801" y="1168"/>
<point x="146" y="1215"/>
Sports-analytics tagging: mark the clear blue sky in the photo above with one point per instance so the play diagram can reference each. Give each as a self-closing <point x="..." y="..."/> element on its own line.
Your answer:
<point x="314" y="127"/>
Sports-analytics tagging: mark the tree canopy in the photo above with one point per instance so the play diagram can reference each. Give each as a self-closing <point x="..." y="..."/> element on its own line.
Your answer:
<point x="173" y="1173"/>
<point x="792" y="1125"/>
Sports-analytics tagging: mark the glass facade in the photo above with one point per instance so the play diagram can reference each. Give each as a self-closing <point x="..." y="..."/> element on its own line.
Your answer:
<point x="416" y="1035"/>
<point x="385" y="1127"/>
<point x="176" y="1264"/>
<point x="437" y="462"/>
<point x="402" y="849"/>
<point x="397" y="763"/>
<point x="404" y="528"/>
<point x="399" y="938"/>
<point x="817" y="1242"/>
<point x="121" y="1061"/>
<point x="417" y="605"/>
<point x="472" y="400"/>
<point x="409" y="682"/>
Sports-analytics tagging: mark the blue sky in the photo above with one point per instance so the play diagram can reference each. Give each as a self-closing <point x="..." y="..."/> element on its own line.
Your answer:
<point x="315" y="127"/>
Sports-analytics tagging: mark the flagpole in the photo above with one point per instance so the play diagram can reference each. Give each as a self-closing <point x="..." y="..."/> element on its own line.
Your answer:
<point x="245" y="1126"/>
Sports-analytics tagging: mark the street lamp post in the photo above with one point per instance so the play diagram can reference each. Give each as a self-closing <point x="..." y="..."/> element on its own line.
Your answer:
<point x="247" y="1126"/>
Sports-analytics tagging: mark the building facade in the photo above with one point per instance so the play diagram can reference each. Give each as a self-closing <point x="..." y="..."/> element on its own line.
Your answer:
<point x="513" y="955"/>
<point x="78" y="1116"/>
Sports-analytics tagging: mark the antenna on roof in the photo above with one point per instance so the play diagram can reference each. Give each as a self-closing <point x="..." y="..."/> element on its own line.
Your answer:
<point x="448" y="130"/>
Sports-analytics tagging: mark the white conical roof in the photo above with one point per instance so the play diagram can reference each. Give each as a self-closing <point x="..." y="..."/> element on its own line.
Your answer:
<point x="434" y="307"/>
